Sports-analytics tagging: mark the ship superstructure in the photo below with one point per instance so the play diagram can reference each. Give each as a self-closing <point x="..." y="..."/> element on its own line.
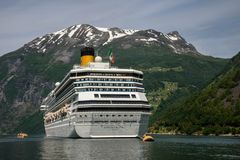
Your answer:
<point x="96" y="100"/>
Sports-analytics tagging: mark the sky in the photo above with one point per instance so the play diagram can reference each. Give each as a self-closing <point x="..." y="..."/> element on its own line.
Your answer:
<point x="212" y="26"/>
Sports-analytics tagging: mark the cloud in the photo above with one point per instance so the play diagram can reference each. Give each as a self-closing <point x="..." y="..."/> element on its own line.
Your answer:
<point x="215" y="21"/>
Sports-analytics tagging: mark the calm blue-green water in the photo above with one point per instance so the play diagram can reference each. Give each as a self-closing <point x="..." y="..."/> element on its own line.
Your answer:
<point x="163" y="148"/>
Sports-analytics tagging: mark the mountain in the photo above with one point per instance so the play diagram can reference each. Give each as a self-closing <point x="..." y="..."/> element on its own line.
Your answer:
<point x="171" y="66"/>
<point x="87" y="35"/>
<point x="214" y="110"/>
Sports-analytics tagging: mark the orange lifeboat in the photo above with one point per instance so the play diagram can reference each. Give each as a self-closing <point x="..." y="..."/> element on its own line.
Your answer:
<point x="22" y="135"/>
<point x="147" y="138"/>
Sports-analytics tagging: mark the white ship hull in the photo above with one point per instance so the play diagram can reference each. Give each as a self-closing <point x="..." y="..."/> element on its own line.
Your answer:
<point x="75" y="127"/>
<point x="97" y="100"/>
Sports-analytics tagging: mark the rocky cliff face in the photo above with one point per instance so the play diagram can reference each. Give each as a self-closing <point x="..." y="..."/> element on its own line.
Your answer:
<point x="29" y="73"/>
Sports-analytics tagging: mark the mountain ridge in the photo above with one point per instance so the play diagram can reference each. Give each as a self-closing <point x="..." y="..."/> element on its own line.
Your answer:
<point x="28" y="74"/>
<point x="86" y="35"/>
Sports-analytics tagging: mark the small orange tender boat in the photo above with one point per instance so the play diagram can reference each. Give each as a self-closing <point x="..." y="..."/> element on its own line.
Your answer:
<point x="22" y="135"/>
<point x="147" y="138"/>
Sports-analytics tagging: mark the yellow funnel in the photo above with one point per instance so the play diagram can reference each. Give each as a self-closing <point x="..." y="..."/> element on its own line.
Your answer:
<point x="87" y="55"/>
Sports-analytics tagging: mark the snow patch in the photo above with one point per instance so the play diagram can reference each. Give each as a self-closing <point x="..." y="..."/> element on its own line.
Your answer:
<point x="173" y="38"/>
<point x="142" y="39"/>
<point x="174" y="49"/>
<point x="130" y="31"/>
<point x="114" y="35"/>
<point x="42" y="39"/>
<point x="89" y="34"/>
<point x="155" y="35"/>
<point x="9" y="78"/>
<point x="152" y="39"/>
<point x="171" y="46"/>
<point x="147" y="40"/>
<point x="74" y="30"/>
<point x="102" y="29"/>
<point x="60" y="33"/>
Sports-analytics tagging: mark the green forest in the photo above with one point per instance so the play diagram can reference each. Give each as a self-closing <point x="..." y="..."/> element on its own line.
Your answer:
<point x="213" y="110"/>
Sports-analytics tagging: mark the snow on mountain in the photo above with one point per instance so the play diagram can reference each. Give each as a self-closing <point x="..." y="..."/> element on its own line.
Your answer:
<point x="85" y="35"/>
<point x="116" y="33"/>
<point x="79" y="34"/>
<point x="174" y="36"/>
<point x="147" y="40"/>
<point x="73" y="30"/>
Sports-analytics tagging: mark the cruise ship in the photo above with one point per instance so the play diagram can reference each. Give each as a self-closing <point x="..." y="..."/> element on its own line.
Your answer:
<point x="97" y="100"/>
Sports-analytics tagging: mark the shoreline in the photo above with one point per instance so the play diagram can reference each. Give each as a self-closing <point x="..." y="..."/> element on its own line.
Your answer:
<point x="181" y="134"/>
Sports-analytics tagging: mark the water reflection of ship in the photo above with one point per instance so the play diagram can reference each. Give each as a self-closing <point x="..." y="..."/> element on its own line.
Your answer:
<point x="92" y="149"/>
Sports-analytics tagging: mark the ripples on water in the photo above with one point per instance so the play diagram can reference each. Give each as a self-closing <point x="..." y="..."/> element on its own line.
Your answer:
<point x="163" y="148"/>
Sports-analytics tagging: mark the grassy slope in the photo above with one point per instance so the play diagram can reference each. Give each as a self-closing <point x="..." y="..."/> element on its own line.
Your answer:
<point x="215" y="110"/>
<point x="197" y="70"/>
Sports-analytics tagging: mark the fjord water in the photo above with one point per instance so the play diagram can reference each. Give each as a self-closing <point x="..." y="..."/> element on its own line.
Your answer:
<point x="163" y="148"/>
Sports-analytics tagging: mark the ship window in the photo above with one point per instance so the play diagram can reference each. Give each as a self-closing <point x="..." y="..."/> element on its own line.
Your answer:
<point x="115" y="121"/>
<point x="133" y="96"/>
<point x="96" y="95"/>
<point x="125" y="115"/>
<point x="100" y="121"/>
<point x="100" y="115"/>
<point x="130" y="121"/>
<point x="85" y="115"/>
<point x="131" y="115"/>
<point x="113" y="115"/>
<point x="119" y="115"/>
<point x="107" y="115"/>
